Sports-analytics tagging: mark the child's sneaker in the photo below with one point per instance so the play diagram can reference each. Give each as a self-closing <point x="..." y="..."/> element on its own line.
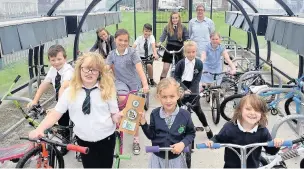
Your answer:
<point x="136" y="149"/>
<point x="209" y="132"/>
<point x="152" y="83"/>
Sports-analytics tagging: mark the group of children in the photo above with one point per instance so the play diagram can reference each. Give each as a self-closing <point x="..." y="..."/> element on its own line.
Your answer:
<point x="88" y="96"/>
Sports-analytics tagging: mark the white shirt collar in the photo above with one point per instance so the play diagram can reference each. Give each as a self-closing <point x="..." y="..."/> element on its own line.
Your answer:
<point x="255" y="129"/>
<point x="202" y="20"/>
<point x="188" y="61"/>
<point x="125" y="52"/>
<point x="96" y="85"/>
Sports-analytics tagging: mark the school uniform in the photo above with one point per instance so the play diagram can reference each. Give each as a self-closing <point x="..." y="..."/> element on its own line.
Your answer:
<point x="94" y="129"/>
<point x="164" y="131"/>
<point x="188" y="74"/>
<point x="126" y="76"/>
<point x="173" y="43"/>
<point x="57" y="78"/>
<point x="235" y="134"/>
<point x="104" y="47"/>
<point x="213" y="63"/>
<point x="144" y="46"/>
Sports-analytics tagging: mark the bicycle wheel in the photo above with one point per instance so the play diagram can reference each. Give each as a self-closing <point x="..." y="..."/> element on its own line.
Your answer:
<point x="117" y="151"/>
<point x="147" y="101"/>
<point x="31" y="158"/>
<point x="215" y="107"/>
<point x="287" y="106"/>
<point x="228" y="105"/>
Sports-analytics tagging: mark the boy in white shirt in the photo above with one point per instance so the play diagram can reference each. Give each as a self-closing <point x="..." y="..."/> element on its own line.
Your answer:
<point x="59" y="76"/>
<point x="145" y="45"/>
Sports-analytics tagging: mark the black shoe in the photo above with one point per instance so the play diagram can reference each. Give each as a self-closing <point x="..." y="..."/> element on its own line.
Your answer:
<point x="209" y="133"/>
<point x="152" y="83"/>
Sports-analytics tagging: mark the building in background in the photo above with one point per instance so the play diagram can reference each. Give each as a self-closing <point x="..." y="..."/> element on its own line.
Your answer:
<point x="18" y="8"/>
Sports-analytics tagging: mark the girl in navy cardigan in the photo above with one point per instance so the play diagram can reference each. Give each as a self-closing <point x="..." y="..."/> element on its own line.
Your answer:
<point x="188" y="73"/>
<point x="170" y="126"/>
<point x="248" y="126"/>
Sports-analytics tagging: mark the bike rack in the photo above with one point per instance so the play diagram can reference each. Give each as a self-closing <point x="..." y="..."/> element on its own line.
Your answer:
<point x="298" y="129"/>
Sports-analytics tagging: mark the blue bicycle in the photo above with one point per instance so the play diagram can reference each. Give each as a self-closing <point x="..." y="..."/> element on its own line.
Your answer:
<point x="291" y="93"/>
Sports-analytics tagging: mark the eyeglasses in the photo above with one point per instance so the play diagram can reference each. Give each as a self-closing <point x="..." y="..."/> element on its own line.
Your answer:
<point x="87" y="70"/>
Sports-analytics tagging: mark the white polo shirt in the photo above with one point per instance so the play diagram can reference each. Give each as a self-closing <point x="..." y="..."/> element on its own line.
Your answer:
<point x="189" y="70"/>
<point x="140" y="41"/>
<point x="94" y="126"/>
<point x="66" y="73"/>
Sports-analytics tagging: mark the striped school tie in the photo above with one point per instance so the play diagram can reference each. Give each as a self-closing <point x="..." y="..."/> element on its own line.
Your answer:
<point x="86" y="106"/>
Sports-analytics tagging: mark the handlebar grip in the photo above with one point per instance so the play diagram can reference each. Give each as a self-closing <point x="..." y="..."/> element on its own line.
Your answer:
<point x="287" y="143"/>
<point x="72" y="147"/>
<point x="152" y="149"/>
<point x="203" y="145"/>
<point x="17" y="78"/>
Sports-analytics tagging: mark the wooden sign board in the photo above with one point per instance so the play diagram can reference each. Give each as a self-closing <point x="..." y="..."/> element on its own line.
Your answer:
<point x="130" y="121"/>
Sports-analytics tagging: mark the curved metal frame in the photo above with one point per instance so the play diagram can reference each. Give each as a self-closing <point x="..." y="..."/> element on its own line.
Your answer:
<point x="253" y="7"/>
<point x="285" y="7"/>
<point x="77" y="35"/>
<point x="255" y="38"/>
<point x="114" y="4"/>
<point x="54" y="7"/>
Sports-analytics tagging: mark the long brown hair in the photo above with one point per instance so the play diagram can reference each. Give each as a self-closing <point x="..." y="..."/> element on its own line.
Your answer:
<point x="170" y="28"/>
<point x="257" y="103"/>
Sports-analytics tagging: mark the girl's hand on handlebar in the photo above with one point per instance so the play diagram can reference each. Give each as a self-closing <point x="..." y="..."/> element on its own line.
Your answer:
<point x="278" y="142"/>
<point x="232" y="72"/>
<point x="145" y="88"/>
<point x="177" y="148"/>
<point x="188" y="91"/>
<point x="155" y="55"/>
<point x="209" y="143"/>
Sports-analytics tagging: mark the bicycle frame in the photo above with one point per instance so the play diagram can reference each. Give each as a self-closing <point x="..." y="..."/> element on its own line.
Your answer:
<point x="173" y="52"/>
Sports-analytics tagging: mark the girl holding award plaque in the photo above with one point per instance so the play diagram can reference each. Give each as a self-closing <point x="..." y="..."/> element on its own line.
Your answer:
<point x="169" y="126"/>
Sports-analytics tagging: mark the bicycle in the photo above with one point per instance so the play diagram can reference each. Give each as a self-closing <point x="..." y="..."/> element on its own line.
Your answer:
<point x="145" y="61"/>
<point x="34" y="114"/>
<point x="243" y="149"/>
<point x="46" y="152"/>
<point x="213" y="95"/>
<point x="249" y="82"/>
<point x="156" y="149"/>
<point x="173" y="52"/>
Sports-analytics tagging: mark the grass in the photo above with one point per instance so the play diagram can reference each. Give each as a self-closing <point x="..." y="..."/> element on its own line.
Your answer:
<point x="8" y="74"/>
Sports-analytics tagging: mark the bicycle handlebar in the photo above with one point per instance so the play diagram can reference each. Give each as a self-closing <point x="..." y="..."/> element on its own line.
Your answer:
<point x="155" y="149"/>
<point x="72" y="147"/>
<point x="286" y="143"/>
<point x="172" y="51"/>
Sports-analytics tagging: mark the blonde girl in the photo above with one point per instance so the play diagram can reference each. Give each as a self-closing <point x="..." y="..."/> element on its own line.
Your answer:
<point x="177" y="131"/>
<point x="92" y="104"/>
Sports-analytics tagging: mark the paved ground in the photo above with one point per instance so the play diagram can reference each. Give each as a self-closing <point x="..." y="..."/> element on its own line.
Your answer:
<point x="200" y="158"/>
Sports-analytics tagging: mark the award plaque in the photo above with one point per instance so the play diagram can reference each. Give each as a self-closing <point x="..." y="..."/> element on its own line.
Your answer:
<point x="130" y="121"/>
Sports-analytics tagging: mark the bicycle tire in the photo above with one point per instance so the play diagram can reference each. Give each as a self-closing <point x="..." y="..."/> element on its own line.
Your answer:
<point x="147" y="101"/>
<point x="286" y="107"/>
<point x="215" y="108"/>
<point x="22" y="161"/>
<point x="188" y="156"/>
<point x="224" y="103"/>
<point x="263" y="161"/>
<point x="117" y="150"/>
